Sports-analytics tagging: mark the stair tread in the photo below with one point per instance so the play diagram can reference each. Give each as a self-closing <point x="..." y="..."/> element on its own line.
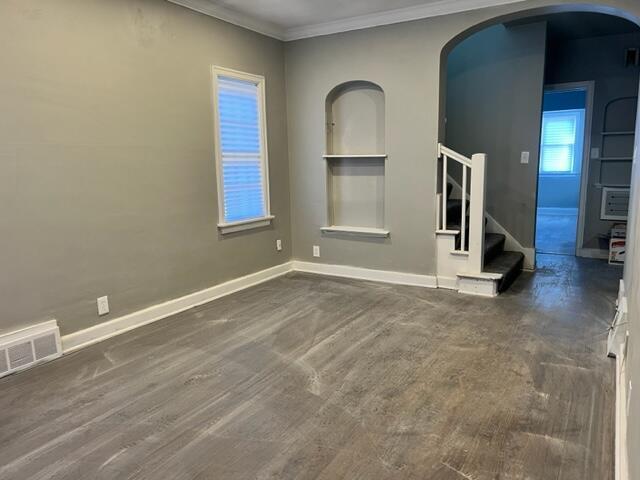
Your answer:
<point x="507" y="263"/>
<point x="503" y="262"/>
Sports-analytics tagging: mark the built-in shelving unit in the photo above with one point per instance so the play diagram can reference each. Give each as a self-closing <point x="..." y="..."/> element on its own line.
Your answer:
<point x="364" y="231"/>
<point x="357" y="155"/>
<point x="617" y="141"/>
<point x="355" y="161"/>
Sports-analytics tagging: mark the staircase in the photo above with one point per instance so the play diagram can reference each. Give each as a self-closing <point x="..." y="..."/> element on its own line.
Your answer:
<point x="469" y="259"/>
<point x="496" y="260"/>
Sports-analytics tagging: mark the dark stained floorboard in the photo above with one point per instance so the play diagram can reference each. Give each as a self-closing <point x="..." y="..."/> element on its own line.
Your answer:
<point x="309" y="377"/>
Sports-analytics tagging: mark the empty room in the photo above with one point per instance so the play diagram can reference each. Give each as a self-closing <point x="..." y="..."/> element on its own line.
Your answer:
<point x="291" y="239"/>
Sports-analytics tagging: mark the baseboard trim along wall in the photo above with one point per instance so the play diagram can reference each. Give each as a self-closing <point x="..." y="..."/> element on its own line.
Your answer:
<point x="104" y="331"/>
<point x="84" y="338"/>
<point x="384" y="276"/>
<point x="621" y="452"/>
<point x="593" y="253"/>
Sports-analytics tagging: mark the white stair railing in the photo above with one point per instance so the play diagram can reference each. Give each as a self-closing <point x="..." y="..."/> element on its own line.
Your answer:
<point x="474" y="168"/>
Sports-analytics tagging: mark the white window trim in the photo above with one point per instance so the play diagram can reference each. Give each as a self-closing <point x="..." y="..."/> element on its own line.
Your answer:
<point x="249" y="223"/>
<point x="577" y="162"/>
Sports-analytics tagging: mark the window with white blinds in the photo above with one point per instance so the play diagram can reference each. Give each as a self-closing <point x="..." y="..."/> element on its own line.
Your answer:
<point x="240" y="148"/>
<point x="560" y="137"/>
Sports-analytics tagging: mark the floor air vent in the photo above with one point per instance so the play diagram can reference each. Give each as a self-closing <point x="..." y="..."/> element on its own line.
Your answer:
<point x="28" y="347"/>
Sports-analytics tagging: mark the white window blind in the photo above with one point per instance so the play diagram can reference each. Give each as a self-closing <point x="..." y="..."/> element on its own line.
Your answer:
<point x="559" y="137"/>
<point x="241" y="156"/>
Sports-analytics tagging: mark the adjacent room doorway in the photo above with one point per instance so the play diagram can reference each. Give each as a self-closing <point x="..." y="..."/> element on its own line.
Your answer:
<point x="564" y="150"/>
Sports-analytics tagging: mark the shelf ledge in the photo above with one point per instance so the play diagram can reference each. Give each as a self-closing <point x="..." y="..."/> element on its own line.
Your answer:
<point x="356" y="155"/>
<point x="242" y="225"/>
<point x="362" y="231"/>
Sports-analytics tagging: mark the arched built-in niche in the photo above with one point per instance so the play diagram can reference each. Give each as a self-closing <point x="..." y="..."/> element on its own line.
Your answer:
<point x="355" y="119"/>
<point x="355" y="156"/>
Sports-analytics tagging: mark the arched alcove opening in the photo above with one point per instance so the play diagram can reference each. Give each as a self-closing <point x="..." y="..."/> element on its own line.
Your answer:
<point x="355" y="119"/>
<point x="355" y="159"/>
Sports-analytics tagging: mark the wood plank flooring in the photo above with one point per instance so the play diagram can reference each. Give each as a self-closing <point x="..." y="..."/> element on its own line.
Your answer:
<point x="309" y="377"/>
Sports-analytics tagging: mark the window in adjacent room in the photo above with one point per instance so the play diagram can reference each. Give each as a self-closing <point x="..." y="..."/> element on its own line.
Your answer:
<point x="241" y="150"/>
<point x="561" y="141"/>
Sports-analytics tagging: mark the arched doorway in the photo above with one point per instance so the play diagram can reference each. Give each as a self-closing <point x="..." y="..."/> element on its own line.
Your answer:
<point x="496" y="106"/>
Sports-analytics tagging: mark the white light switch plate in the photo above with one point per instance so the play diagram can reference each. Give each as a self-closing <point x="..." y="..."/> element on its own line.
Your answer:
<point x="595" y="152"/>
<point x="103" y="306"/>
<point x="524" y="157"/>
<point x="316" y="251"/>
<point x="279" y="245"/>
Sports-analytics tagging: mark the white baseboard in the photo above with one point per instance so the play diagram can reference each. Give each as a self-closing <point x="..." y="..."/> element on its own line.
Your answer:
<point x="384" y="276"/>
<point x="447" y="282"/>
<point x="103" y="331"/>
<point x="621" y="452"/>
<point x="593" y="253"/>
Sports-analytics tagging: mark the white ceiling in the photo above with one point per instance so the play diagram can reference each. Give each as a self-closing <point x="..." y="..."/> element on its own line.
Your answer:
<point x="295" y="19"/>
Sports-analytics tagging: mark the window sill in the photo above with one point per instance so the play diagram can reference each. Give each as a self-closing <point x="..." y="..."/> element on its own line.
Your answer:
<point x="245" y="224"/>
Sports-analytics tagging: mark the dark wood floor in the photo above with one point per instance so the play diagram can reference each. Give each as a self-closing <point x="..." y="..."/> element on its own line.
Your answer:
<point x="309" y="377"/>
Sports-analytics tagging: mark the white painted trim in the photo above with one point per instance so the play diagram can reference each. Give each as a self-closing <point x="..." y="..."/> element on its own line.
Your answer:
<point x="448" y="283"/>
<point x="245" y="224"/>
<point x="259" y="82"/>
<point x="621" y="465"/>
<point x="481" y="275"/>
<point x="357" y="155"/>
<point x="104" y="331"/>
<point x="589" y="87"/>
<point x="250" y="22"/>
<point x="356" y="231"/>
<point x="479" y="286"/>
<point x="385" y="276"/>
<point x="207" y="7"/>
<point x="399" y="15"/>
<point x="593" y="253"/>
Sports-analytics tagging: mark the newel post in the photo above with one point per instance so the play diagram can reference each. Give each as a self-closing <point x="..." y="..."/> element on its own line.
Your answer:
<point x="476" y="212"/>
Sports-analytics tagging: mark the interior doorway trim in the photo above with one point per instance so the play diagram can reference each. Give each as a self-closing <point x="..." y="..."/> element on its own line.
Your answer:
<point x="589" y="88"/>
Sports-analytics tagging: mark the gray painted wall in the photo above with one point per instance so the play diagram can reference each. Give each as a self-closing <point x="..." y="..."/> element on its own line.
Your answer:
<point x="107" y="177"/>
<point x="102" y="192"/>
<point x="494" y="105"/>
<point x="599" y="59"/>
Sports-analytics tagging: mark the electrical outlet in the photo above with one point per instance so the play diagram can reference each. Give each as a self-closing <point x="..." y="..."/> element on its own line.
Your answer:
<point x="524" y="157"/>
<point x="316" y="251"/>
<point x="103" y="305"/>
<point x="279" y="245"/>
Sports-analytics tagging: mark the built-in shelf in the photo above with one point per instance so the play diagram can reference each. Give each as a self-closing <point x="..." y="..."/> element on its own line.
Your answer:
<point x="358" y="155"/>
<point x="611" y="185"/>
<point x="616" y="159"/>
<point x="619" y="133"/>
<point x="362" y="231"/>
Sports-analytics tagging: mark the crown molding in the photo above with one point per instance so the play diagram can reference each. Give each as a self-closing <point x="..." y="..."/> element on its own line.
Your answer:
<point x="249" y="22"/>
<point x="433" y="9"/>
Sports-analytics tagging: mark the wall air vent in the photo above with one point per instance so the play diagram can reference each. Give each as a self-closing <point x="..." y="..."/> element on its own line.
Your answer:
<point x="28" y="347"/>
<point x="615" y="203"/>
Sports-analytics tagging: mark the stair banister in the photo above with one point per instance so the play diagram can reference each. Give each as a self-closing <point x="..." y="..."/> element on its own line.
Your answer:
<point x="477" y="165"/>
<point x="476" y="214"/>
